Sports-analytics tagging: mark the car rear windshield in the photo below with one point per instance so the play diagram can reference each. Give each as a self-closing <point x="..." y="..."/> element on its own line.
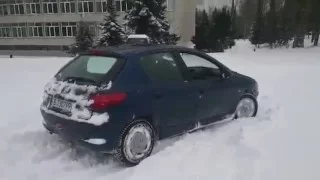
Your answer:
<point x="87" y="69"/>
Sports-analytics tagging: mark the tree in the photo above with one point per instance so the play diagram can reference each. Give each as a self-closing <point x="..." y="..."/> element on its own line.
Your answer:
<point x="214" y="33"/>
<point x="272" y="24"/>
<point x="285" y="31"/>
<point x="113" y="33"/>
<point x="221" y="35"/>
<point x="246" y="16"/>
<point x="200" y="39"/>
<point x="84" y="38"/>
<point x="298" y="8"/>
<point x="257" y="30"/>
<point x="314" y="21"/>
<point x="148" y="17"/>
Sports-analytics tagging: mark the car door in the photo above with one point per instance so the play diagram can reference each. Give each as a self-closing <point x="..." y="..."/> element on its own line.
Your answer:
<point x="174" y="102"/>
<point x="216" y="96"/>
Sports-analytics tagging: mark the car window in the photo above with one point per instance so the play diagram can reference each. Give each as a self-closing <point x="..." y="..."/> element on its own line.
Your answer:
<point x="192" y="60"/>
<point x="88" y="68"/>
<point x="199" y="67"/>
<point x="161" y="67"/>
<point x="99" y="64"/>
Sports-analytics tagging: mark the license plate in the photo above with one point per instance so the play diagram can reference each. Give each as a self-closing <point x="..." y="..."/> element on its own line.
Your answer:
<point x="61" y="104"/>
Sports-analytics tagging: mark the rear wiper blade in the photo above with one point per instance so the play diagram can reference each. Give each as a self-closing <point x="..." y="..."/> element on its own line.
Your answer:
<point x="80" y="79"/>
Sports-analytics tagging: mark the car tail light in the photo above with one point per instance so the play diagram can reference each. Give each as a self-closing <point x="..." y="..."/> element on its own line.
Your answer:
<point x="102" y="101"/>
<point x="96" y="52"/>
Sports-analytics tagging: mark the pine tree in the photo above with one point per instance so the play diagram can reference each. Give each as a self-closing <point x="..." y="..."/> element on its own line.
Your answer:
<point x="272" y="31"/>
<point x="285" y="33"/>
<point x="148" y="17"/>
<point x="314" y="21"/>
<point x="113" y="33"/>
<point x="257" y="30"/>
<point x="200" y="39"/>
<point x="221" y="31"/>
<point x="233" y="20"/>
<point x="300" y="21"/>
<point x="247" y="15"/>
<point x="214" y="33"/>
<point x="84" y="38"/>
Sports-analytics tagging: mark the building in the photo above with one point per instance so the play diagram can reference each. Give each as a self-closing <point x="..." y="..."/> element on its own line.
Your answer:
<point x="51" y="24"/>
<point x="207" y="4"/>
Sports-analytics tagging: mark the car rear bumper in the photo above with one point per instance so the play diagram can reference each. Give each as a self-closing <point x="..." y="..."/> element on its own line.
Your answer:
<point x="91" y="137"/>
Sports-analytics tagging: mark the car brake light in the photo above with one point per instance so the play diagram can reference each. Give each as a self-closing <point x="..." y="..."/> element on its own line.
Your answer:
<point x="102" y="101"/>
<point x="96" y="52"/>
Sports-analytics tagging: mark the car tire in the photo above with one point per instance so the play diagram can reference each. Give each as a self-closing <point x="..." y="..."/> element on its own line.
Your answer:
<point x="249" y="104"/>
<point x="138" y="136"/>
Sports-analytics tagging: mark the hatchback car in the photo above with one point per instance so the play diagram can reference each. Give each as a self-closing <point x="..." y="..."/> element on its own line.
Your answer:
<point x="121" y="100"/>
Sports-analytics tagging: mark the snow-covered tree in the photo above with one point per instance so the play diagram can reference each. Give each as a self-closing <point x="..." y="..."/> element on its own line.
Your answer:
<point x="83" y="39"/>
<point x="112" y="32"/>
<point x="148" y="17"/>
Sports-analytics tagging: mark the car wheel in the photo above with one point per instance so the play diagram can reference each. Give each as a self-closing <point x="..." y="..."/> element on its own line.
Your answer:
<point x="136" y="143"/>
<point x="247" y="107"/>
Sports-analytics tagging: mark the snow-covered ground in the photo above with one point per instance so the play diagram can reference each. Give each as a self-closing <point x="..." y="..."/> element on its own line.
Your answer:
<point x="282" y="143"/>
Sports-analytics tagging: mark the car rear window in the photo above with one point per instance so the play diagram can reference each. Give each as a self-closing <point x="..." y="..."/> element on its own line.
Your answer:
<point x="88" y="68"/>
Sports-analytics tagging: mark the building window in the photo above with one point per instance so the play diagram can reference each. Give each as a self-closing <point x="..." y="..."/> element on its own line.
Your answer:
<point x="50" y="6"/>
<point x="5" y="30"/>
<point x="69" y="29"/>
<point x="52" y="29"/>
<point x="35" y="29"/>
<point x="85" y="6"/>
<point x="92" y="27"/>
<point x="19" y="30"/>
<point x="101" y="5"/>
<point x="16" y="7"/>
<point x="67" y="6"/>
<point x="171" y="5"/>
<point x="33" y="7"/>
<point x="4" y="10"/>
<point x="123" y="5"/>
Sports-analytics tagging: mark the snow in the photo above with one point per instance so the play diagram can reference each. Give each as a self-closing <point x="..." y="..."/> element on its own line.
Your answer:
<point x="96" y="141"/>
<point x="144" y="12"/>
<point x="281" y="143"/>
<point x="79" y="109"/>
<point x="138" y="36"/>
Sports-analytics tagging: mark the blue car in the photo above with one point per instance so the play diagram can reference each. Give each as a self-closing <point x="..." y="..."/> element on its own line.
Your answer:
<point x="121" y="100"/>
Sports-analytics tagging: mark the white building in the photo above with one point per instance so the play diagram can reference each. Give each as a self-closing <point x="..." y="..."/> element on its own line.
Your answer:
<point x="206" y="4"/>
<point x="51" y="24"/>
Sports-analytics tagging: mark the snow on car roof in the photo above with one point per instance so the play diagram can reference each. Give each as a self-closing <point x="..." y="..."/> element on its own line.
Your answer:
<point x="138" y="36"/>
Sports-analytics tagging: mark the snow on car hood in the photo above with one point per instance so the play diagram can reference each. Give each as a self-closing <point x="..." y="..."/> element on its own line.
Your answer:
<point x="79" y="95"/>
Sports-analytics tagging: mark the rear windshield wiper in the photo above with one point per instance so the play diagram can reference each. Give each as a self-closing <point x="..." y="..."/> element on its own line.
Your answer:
<point x="83" y="79"/>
